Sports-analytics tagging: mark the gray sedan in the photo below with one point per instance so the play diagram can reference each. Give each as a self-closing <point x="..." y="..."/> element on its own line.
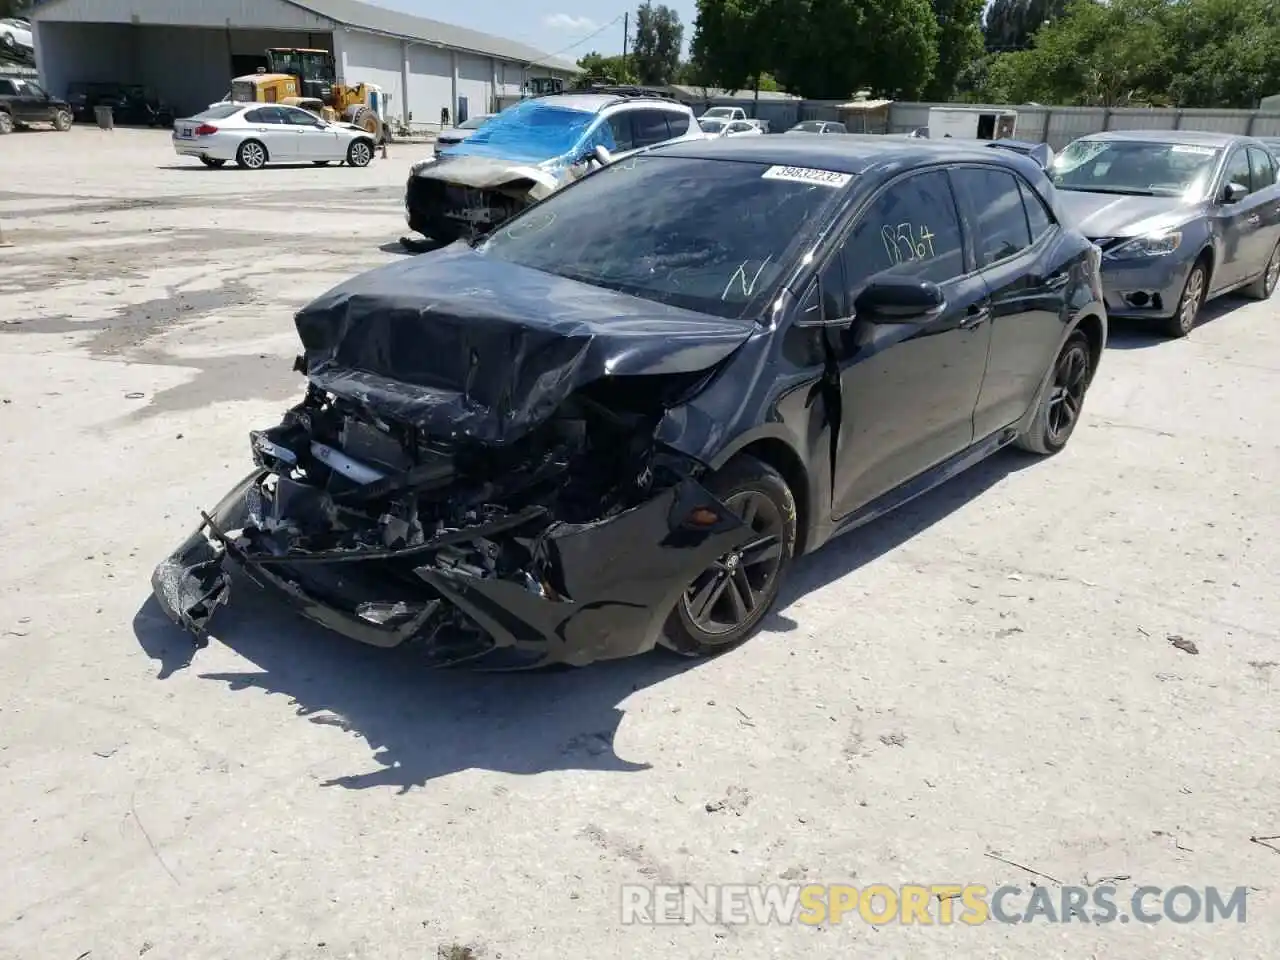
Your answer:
<point x="1181" y="217"/>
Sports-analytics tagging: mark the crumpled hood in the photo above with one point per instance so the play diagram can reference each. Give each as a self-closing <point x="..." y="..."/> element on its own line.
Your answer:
<point x="1101" y="215"/>
<point x="487" y="173"/>
<point x="459" y="344"/>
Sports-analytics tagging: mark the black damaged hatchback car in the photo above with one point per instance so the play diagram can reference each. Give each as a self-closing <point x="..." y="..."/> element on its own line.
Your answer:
<point x="615" y="421"/>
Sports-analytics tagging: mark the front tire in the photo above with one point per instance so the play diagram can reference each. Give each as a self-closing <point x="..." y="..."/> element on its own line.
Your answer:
<point x="62" y="121"/>
<point x="359" y="153"/>
<point x="1265" y="285"/>
<point x="726" y="603"/>
<point x="1062" y="403"/>
<point x="6" y="122"/>
<point x="1193" y="296"/>
<point x="252" y="155"/>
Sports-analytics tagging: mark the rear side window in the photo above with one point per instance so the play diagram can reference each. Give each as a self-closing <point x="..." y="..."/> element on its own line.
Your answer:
<point x="994" y="200"/>
<point x="1262" y="168"/>
<point x="623" y="136"/>
<point x="911" y="229"/>
<point x="8" y="89"/>
<point x="678" y="123"/>
<point x="649" y="127"/>
<point x="1038" y="217"/>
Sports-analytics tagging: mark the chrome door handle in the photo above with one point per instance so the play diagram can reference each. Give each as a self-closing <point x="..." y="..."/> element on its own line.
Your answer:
<point x="1255" y="219"/>
<point x="975" y="317"/>
<point x="1057" y="281"/>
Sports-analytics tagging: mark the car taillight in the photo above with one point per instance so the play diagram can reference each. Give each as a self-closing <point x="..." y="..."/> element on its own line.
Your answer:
<point x="206" y="130"/>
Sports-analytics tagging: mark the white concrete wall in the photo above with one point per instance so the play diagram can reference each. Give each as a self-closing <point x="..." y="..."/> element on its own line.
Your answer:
<point x="430" y="83"/>
<point x="368" y="58"/>
<point x="475" y="82"/>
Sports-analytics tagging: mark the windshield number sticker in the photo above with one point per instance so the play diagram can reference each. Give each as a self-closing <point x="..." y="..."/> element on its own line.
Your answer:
<point x="1198" y="151"/>
<point x="826" y="178"/>
<point x="905" y="244"/>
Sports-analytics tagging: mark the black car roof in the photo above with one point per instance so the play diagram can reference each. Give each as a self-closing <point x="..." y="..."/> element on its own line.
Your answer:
<point x="853" y="153"/>
<point x="1189" y="137"/>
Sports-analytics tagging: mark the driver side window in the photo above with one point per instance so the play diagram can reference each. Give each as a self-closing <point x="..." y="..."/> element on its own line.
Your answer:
<point x="623" y="137"/>
<point x="1238" y="170"/>
<point x="911" y="229"/>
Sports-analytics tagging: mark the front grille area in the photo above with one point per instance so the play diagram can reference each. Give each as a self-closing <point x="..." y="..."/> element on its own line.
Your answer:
<point x="447" y="211"/>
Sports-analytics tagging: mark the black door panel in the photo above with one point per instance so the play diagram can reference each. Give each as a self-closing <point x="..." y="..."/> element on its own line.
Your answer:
<point x="1015" y="238"/>
<point x="908" y="389"/>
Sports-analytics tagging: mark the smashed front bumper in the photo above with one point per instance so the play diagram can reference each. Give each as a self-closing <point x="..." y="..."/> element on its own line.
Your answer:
<point x="602" y="590"/>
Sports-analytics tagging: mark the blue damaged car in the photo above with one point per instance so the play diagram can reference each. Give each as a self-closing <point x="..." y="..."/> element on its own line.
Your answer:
<point x="1181" y="217"/>
<point x="529" y="151"/>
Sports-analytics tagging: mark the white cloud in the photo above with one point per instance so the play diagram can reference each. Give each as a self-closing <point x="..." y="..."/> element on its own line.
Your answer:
<point x="568" y="22"/>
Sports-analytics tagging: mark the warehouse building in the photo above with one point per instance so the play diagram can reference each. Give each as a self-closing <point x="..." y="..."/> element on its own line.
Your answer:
<point x="187" y="51"/>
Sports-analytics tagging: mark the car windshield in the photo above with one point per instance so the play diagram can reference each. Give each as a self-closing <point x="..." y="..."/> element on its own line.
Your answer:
<point x="809" y="126"/>
<point x="711" y="125"/>
<point x="529" y="130"/>
<point x="29" y="88"/>
<point x="706" y="235"/>
<point x="1139" y="167"/>
<point x="219" y="111"/>
<point x="718" y="112"/>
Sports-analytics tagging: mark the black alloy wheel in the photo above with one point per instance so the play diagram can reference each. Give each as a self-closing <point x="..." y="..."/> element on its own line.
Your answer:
<point x="727" y="601"/>
<point x="1061" y="404"/>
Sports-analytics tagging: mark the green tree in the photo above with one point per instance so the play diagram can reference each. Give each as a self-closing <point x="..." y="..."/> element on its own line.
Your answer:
<point x="656" y="46"/>
<point x="1010" y="24"/>
<point x="1227" y="52"/>
<point x="960" y="44"/>
<point x="598" y="68"/>
<point x="830" y="49"/>
<point x="735" y="41"/>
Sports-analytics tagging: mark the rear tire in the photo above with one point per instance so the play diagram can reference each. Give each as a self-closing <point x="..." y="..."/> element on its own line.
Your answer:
<point x="359" y="153"/>
<point x="1063" y="401"/>
<point x="726" y="603"/>
<point x="1265" y="285"/>
<point x="1194" y="292"/>
<point x="252" y="155"/>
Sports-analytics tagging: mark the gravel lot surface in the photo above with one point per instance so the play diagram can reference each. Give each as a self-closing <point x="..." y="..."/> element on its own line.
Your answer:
<point x="980" y="689"/>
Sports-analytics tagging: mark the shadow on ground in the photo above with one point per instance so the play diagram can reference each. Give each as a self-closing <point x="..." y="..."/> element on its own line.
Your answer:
<point x="1124" y="333"/>
<point x="422" y="724"/>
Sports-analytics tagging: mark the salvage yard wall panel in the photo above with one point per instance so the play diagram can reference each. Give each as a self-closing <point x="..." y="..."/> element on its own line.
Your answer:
<point x="430" y="84"/>
<point x="475" y="83"/>
<point x="369" y="58"/>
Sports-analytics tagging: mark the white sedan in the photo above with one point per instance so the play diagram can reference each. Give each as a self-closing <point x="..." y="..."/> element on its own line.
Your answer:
<point x="716" y="127"/>
<point x="255" y="134"/>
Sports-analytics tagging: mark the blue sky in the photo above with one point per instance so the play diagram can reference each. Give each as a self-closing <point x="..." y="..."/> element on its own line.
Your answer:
<point x="549" y="25"/>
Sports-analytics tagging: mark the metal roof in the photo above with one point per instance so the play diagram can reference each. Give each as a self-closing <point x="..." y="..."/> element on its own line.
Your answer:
<point x="365" y="16"/>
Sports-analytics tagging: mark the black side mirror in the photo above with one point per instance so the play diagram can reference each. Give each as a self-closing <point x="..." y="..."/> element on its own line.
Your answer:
<point x="891" y="299"/>
<point x="1234" y="192"/>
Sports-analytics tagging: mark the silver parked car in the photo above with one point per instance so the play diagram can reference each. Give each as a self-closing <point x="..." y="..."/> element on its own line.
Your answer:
<point x="818" y="126"/>
<point x="255" y="134"/>
<point x="455" y="135"/>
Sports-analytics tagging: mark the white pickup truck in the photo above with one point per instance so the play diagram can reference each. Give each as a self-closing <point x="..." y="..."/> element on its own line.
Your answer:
<point x="724" y="113"/>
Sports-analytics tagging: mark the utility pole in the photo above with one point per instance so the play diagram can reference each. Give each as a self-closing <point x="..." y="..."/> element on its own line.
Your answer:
<point x="626" y="29"/>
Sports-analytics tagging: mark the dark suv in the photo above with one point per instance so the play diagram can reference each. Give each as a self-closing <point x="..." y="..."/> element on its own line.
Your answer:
<point x="23" y="101"/>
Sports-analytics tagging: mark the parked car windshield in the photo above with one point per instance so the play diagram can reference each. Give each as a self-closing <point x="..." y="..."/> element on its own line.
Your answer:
<point x="1139" y="167"/>
<point x="29" y="88"/>
<point x="711" y="124"/>
<point x="529" y="130"/>
<point x="706" y="235"/>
